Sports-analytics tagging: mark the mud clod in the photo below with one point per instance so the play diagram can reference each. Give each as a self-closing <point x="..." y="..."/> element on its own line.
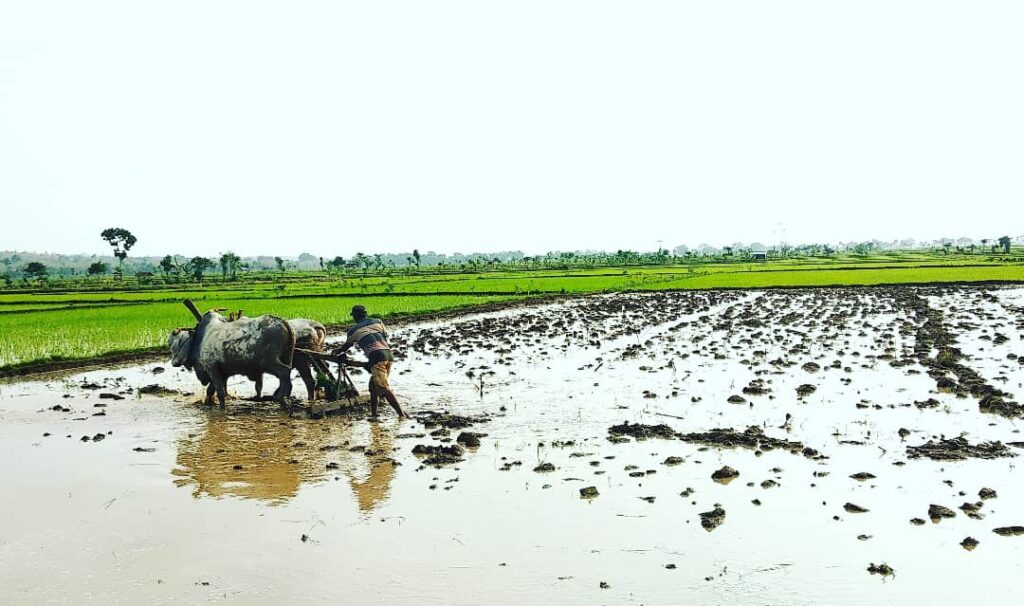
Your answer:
<point x="752" y="438"/>
<point x="449" y="421"/>
<point x="158" y="390"/>
<point x="805" y="390"/>
<point x="640" y="431"/>
<point x="711" y="520"/>
<point x="958" y="449"/>
<point x="469" y="439"/>
<point x="937" y="512"/>
<point x="1009" y="531"/>
<point x="430" y="449"/>
<point x="439" y="455"/>
<point x="972" y="510"/>
<point x="589" y="492"/>
<point x="441" y="459"/>
<point x="725" y="474"/>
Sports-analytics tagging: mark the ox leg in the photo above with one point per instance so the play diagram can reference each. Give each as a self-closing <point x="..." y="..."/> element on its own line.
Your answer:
<point x="259" y="386"/>
<point x="284" y="375"/>
<point x="219" y="383"/>
<point x="222" y="392"/>
<point x="209" y="395"/>
<point x="303" y="366"/>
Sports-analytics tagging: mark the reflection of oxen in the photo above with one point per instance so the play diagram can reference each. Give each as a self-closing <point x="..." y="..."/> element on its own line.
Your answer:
<point x="248" y="456"/>
<point x="219" y="348"/>
<point x="270" y="456"/>
<point x="311" y="335"/>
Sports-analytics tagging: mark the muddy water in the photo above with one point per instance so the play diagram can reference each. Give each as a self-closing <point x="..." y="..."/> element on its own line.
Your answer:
<point x="181" y="504"/>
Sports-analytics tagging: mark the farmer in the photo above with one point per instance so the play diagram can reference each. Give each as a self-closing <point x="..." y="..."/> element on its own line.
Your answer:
<point x="369" y="333"/>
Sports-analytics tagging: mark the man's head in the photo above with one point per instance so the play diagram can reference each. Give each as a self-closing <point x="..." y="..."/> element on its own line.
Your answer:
<point x="358" y="312"/>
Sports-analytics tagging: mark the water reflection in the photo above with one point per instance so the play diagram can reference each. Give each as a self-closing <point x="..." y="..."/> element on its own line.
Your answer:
<point x="376" y="471"/>
<point x="269" y="456"/>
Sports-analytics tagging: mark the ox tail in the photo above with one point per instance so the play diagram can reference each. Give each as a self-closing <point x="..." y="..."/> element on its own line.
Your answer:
<point x="288" y="350"/>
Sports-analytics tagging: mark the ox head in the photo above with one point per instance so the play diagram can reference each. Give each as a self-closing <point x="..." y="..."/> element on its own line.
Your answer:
<point x="180" y="342"/>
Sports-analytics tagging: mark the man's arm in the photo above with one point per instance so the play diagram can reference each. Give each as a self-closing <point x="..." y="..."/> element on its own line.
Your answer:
<point x="352" y="340"/>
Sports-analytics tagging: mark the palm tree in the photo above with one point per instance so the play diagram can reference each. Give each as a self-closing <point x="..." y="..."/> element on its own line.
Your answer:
<point x="363" y="260"/>
<point x="229" y="263"/>
<point x="1005" y="243"/>
<point x="168" y="266"/>
<point x="199" y="265"/>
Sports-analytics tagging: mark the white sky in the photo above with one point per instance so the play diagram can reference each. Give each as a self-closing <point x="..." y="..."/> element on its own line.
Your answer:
<point x="335" y="127"/>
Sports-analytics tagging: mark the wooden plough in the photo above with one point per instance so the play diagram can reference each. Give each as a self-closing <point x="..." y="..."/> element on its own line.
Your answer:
<point x="340" y="393"/>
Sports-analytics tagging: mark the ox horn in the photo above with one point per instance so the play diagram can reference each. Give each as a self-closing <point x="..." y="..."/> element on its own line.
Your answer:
<point x="192" y="308"/>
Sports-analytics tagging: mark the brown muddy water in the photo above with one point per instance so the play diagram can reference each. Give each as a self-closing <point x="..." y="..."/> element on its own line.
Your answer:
<point x="154" y="499"/>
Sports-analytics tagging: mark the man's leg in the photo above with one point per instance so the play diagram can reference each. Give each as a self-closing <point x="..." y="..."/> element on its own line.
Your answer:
<point x="374" y="396"/>
<point x="379" y="375"/>
<point x="393" y="401"/>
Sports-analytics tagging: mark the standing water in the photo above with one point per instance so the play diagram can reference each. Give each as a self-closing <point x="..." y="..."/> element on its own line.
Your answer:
<point x="819" y="399"/>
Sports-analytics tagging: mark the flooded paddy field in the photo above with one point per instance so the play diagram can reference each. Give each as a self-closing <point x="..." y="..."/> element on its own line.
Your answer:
<point x="731" y="447"/>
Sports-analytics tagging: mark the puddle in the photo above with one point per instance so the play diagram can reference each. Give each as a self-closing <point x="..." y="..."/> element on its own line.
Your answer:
<point x="178" y="503"/>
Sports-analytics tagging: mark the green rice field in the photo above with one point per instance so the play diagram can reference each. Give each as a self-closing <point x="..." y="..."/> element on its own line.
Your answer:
<point x="38" y="327"/>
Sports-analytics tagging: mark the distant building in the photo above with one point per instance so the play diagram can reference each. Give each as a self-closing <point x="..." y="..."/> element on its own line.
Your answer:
<point x="758" y="253"/>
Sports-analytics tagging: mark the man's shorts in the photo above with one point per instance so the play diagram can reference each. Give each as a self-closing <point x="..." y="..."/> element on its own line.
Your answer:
<point x="379" y="373"/>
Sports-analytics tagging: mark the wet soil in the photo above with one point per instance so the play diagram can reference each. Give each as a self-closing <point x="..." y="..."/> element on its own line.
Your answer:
<point x="957" y="449"/>
<point x="554" y="450"/>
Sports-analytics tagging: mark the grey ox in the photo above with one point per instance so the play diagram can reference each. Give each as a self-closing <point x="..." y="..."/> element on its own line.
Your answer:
<point x="219" y="348"/>
<point x="311" y="335"/>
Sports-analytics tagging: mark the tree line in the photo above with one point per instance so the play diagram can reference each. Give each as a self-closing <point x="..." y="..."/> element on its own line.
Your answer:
<point x="177" y="269"/>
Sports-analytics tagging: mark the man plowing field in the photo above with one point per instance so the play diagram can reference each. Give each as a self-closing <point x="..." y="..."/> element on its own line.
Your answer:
<point x="371" y="336"/>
